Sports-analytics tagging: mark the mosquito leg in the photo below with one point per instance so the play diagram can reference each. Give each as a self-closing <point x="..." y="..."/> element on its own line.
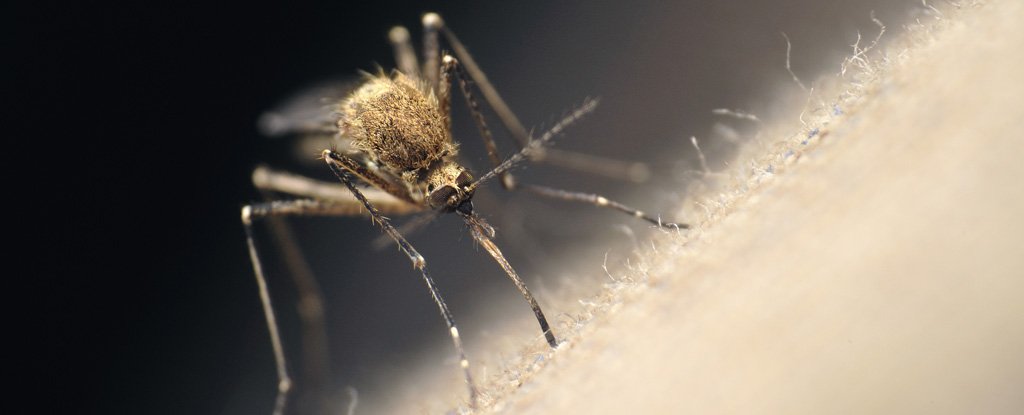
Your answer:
<point x="300" y="207"/>
<point x="276" y="210"/>
<point x="316" y="366"/>
<point x="265" y="178"/>
<point x="481" y="232"/>
<point x="593" y="199"/>
<point x="451" y="65"/>
<point x="537" y="144"/>
<point x="311" y="300"/>
<point x="284" y="380"/>
<point x="636" y="172"/>
<point x="372" y="177"/>
<point x="405" y="56"/>
<point x="599" y="201"/>
<point x="444" y="89"/>
<point x="508" y="118"/>
<point x="412" y="226"/>
<point x="631" y="171"/>
<point x="431" y="48"/>
<point x="338" y="164"/>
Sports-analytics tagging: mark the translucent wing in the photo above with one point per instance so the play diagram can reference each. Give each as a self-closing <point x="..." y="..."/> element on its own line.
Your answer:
<point x="309" y="117"/>
<point x="310" y="111"/>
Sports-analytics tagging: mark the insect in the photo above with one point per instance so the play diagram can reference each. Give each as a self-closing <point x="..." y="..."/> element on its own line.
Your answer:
<point x="394" y="155"/>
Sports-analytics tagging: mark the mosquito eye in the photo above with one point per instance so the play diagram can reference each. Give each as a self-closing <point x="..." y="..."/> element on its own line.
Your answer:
<point x="440" y="197"/>
<point x="464" y="178"/>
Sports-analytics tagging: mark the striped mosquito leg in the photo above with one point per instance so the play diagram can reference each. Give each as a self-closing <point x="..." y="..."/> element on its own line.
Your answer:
<point x="335" y="161"/>
<point x="507" y="181"/>
<point x="599" y="201"/>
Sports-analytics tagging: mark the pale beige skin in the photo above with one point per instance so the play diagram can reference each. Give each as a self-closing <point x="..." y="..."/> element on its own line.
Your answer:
<point x="395" y="123"/>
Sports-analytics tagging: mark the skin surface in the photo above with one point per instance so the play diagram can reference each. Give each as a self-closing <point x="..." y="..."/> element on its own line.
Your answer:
<point x="875" y="269"/>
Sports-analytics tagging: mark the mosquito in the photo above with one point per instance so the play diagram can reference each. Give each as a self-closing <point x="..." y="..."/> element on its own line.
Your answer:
<point x="394" y="155"/>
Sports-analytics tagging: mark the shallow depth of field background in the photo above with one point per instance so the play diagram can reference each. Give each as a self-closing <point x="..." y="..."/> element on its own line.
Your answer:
<point x="163" y="297"/>
<point x="659" y="71"/>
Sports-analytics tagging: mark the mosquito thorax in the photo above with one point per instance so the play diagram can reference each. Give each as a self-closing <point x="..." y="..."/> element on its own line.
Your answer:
<point x="393" y="119"/>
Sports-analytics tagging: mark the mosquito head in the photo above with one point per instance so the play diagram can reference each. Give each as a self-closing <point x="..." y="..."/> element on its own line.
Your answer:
<point x="448" y="187"/>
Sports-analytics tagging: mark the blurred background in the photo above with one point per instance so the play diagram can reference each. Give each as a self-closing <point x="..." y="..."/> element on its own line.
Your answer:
<point x="148" y="299"/>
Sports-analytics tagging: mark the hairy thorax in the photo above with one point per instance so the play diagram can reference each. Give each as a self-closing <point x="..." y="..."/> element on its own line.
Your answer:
<point x="398" y="122"/>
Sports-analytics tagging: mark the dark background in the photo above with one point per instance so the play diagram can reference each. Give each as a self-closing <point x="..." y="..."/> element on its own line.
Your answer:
<point x="139" y="120"/>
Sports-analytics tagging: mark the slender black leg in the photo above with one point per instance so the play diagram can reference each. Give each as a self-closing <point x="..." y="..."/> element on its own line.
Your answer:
<point x="337" y="164"/>
<point x="451" y="66"/>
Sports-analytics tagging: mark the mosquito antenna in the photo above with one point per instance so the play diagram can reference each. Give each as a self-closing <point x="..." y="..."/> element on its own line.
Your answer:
<point x="588" y="105"/>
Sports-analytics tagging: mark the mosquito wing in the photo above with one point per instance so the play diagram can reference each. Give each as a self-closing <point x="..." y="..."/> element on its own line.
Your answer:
<point x="309" y="117"/>
<point x="311" y="111"/>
